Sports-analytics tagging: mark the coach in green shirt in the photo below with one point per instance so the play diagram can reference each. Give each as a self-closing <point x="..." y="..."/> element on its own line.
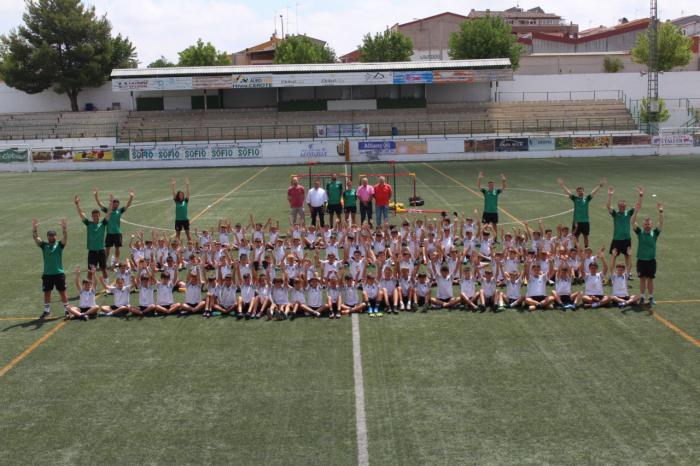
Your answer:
<point x="350" y="202"/>
<point x="96" y="230"/>
<point x="581" y="224"/>
<point x="646" y="253"/>
<point x="114" y="227"/>
<point x="53" y="276"/>
<point x="334" y="190"/>
<point x="622" y="235"/>
<point x="490" y="214"/>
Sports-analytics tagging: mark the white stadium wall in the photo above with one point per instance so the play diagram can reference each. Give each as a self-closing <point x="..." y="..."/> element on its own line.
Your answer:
<point x="455" y="93"/>
<point x="102" y="98"/>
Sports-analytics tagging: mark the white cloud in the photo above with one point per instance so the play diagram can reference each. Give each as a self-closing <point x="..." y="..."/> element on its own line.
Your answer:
<point x="165" y="27"/>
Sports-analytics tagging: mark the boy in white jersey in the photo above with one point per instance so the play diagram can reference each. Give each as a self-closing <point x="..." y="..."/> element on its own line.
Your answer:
<point x="445" y="298"/>
<point x="146" y="284"/>
<point x="488" y="294"/>
<point x="247" y="301"/>
<point x="350" y="303"/>
<point x="264" y="296"/>
<point x="193" y="295"/>
<point x="87" y="305"/>
<point x="467" y="289"/>
<point x="314" y="296"/>
<point x="594" y="295"/>
<point x="563" y="279"/>
<point x="121" y="305"/>
<point x="620" y="293"/>
<point x="226" y="299"/>
<point x="536" y="295"/>
<point x="371" y="295"/>
<point x="389" y="294"/>
<point x="512" y="296"/>
<point x="165" y="303"/>
<point x="279" y="298"/>
<point x="422" y="292"/>
<point x="405" y="288"/>
<point x="333" y="297"/>
<point x="298" y="299"/>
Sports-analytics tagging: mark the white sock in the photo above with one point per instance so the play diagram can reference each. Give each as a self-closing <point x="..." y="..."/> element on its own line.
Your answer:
<point x="47" y="307"/>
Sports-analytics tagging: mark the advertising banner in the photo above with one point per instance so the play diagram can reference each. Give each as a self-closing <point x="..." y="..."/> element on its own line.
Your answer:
<point x="92" y="155"/>
<point x="641" y="140"/>
<point x="622" y="140"/>
<point x="541" y="144"/>
<point x="120" y="155"/>
<point x="152" y="84"/>
<point x="479" y="145"/>
<point x="563" y="143"/>
<point x="377" y="147"/>
<point x="337" y="131"/>
<point x="459" y="76"/>
<point x="236" y="151"/>
<point x="673" y="140"/>
<point x="14" y="155"/>
<point x="314" y="150"/>
<point x="251" y="81"/>
<point x="595" y="142"/>
<point x="212" y="82"/>
<point x="52" y="155"/>
<point x="696" y="139"/>
<point x="411" y="147"/>
<point x="203" y="152"/>
<point x="511" y="144"/>
<point x="413" y="77"/>
<point x="332" y="79"/>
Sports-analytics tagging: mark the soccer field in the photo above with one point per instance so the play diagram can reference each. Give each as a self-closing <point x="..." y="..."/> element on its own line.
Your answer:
<point x="595" y="386"/>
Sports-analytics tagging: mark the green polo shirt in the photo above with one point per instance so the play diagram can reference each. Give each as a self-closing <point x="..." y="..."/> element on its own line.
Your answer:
<point x="95" y="234"/>
<point x="491" y="200"/>
<point x="581" y="208"/>
<point x="350" y="197"/>
<point x="621" y="224"/>
<point x="114" y="224"/>
<point x="646" y="243"/>
<point x="334" y="189"/>
<point x="181" y="209"/>
<point x="53" y="257"/>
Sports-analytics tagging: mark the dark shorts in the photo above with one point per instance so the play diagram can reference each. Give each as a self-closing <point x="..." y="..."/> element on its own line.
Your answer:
<point x="421" y="301"/>
<point x="166" y="306"/>
<point x="565" y="298"/>
<point x="622" y="245"/>
<point x="49" y="282"/>
<point x="539" y="299"/>
<point x="143" y="308"/>
<point x="646" y="268"/>
<point x="489" y="217"/>
<point x="334" y="209"/>
<point x="350" y="209"/>
<point x="98" y="259"/>
<point x="582" y="228"/>
<point x="182" y="225"/>
<point x="113" y="240"/>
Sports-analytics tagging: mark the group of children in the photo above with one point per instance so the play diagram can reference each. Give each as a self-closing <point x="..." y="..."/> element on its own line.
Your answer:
<point x="257" y="271"/>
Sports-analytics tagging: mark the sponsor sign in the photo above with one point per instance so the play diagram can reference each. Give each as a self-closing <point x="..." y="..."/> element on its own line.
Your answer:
<point x="459" y="76"/>
<point x="632" y="140"/>
<point x="212" y="82"/>
<point x="541" y="144"/>
<point x="337" y="131"/>
<point x="696" y="139"/>
<point x="563" y="143"/>
<point x="251" y="81"/>
<point x="479" y="145"/>
<point x="673" y="140"/>
<point x="99" y="155"/>
<point x="413" y="77"/>
<point x="377" y="147"/>
<point x="203" y="152"/>
<point x="14" y="155"/>
<point x="152" y="84"/>
<point x="511" y="144"/>
<point x="595" y="142"/>
<point x="622" y="140"/>
<point x="313" y="151"/>
<point x="236" y="151"/>
<point x="332" y="79"/>
<point x="52" y="155"/>
<point x="411" y="147"/>
<point x="121" y="155"/>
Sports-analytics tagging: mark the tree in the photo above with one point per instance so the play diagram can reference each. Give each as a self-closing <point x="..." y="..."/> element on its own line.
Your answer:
<point x="674" y="48"/>
<point x="162" y="62"/>
<point x="62" y="45"/>
<point x="660" y="117"/>
<point x="301" y="49"/>
<point x="613" y="64"/>
<point x="488" y="37"/>
<point x="386" y="47"/>
<point x="202" y="54"/>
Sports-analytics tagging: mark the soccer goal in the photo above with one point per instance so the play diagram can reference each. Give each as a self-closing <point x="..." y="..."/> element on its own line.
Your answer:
<point x="322" y="172"/>
<point x="16" y="158"/>
<point x="402" y="183"/>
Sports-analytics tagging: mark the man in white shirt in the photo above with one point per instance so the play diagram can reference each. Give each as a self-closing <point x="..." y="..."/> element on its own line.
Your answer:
<point x="316" y="198"/>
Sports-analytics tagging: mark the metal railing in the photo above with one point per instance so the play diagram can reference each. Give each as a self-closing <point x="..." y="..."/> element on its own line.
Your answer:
<point x="554" y="96"/>
<point x="415" y="129"/>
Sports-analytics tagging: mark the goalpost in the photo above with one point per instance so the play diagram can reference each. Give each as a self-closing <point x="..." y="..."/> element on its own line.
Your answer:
<point x="16" y="158"/>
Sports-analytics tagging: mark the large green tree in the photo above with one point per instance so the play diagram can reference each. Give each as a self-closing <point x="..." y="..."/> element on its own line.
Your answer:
<point x="62" y="45"/>
<point x="201" y="54"/>
<point x="162" y="62"/>
<point x="488" y="37"/>
<point x="386" y="46"/>
<point x="301" y="49"/>
<point x="674" y="48"/>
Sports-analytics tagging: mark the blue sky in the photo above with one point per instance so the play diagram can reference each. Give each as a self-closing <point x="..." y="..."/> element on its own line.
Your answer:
<point x="164" y="27"/>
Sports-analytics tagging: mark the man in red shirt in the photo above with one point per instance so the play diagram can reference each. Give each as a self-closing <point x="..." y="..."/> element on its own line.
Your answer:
<point x="382" y="196"/>
<point x="296" y="196"/>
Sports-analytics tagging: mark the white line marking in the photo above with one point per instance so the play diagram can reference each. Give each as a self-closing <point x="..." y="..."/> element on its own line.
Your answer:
<point x="360" y="413"/>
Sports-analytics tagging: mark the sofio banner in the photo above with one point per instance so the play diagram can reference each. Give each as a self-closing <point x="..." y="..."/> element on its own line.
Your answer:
<point x="217" y="152"/>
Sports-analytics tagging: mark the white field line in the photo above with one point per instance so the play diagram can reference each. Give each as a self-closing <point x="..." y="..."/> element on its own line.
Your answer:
<point x="360" y="413"/>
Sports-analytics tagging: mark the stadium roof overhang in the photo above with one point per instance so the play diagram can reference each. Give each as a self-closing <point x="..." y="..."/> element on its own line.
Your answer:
<point x="326" y="74"/>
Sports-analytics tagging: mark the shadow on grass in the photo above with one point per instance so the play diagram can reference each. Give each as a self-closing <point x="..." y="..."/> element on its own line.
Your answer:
<point x="36" y="324"/>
